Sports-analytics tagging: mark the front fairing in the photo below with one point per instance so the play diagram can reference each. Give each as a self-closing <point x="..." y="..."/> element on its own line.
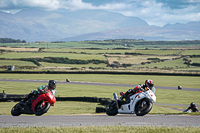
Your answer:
<point x="134" y="99"/>
<point x="48" y="97"/>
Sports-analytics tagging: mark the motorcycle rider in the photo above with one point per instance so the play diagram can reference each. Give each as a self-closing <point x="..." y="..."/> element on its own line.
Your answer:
<point x="140" y="88"/>
<point x="193" y="107"/>
<point x="51" y="86"/>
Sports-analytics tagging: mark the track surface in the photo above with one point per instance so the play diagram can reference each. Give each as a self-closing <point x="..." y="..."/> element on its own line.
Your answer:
<point x="99" y="120"/>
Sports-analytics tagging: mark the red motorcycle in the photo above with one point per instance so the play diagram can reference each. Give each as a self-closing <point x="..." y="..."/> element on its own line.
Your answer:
<point x="40" y="104"/>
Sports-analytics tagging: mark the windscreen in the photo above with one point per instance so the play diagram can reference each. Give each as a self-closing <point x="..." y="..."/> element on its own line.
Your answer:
<point x="154" y="90"/>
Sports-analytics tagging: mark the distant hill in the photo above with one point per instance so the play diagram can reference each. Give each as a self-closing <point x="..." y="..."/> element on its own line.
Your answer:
<point x="151" y="33"/>
<point x="62" y="25"/>
<point x="191" y="26"/>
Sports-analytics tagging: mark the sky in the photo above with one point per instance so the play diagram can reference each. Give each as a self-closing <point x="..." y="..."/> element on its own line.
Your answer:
<point x="154" y="12"/>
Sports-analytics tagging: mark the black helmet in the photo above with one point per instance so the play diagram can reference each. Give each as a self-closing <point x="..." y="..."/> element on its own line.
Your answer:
<point x="192" y="104"/>
<point x="52" y="84"/>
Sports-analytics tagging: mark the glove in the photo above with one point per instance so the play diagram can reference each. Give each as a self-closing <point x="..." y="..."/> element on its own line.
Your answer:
<point x="42" y="91"/>
<point x="123" y="96"/>
<point x="45" y="90"/>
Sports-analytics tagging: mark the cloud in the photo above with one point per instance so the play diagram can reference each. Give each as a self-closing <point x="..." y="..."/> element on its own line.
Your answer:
<point x="55" y="4"/>
<point x="159" y="13"/>
<point x="20" y="4"/>
<point x="155" y="12"/>
<point x="79" y="4"/>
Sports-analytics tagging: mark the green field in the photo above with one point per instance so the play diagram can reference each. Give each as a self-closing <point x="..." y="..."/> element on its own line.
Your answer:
<point x="160" y="52"/>
<point x="121" y="55"/>
<point x="191" y="52"/>
<point x="36" y="55"/>
<point x="16" y="63"/>
<point x="171" y="81"/>
<point x="90" y="51"/>
<point x="179" y="63"/>
<point x="60" y="45"/>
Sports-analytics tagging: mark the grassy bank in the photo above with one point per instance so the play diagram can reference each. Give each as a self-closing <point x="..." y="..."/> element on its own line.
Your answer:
<point x="111" y="129"/>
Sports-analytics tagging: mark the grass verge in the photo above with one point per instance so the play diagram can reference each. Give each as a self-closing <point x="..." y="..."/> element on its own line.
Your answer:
<point x="92" y="129"/>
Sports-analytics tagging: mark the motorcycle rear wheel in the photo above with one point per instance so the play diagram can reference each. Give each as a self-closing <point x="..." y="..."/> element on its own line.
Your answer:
<point x="111" y="109"/>
<point x="145" y="109"/>
<point x="40" y="110"/>
<point x="16" y="111"/>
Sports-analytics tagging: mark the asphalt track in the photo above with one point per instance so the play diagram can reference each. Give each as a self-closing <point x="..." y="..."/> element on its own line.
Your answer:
<point x="99" y="120"/>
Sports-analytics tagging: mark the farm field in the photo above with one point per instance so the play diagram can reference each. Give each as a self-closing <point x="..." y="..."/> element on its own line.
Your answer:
<point x="118" y="43"/>
<point x="116" y="56"/>
<point x="16" y="63"/>
<point x="15" y="55"/>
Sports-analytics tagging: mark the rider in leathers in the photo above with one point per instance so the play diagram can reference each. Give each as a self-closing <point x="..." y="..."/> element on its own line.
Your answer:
<point x="140" y="88"/>
<point x="51" y="86"/>
<point x="193" y="107"/>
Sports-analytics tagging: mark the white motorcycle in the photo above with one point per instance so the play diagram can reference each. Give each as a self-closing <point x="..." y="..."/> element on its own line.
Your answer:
<point x="140" y="104"/>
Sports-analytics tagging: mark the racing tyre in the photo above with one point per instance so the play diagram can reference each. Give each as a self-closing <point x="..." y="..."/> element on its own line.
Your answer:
<point x="41" y="109"/>
<point x="143" y="107"/>
<point x="16" y="111"/>
<point x="111" y="109"/>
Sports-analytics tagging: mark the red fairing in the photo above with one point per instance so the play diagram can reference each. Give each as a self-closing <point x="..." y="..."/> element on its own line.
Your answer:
<point x="136" y="88"/>
<point x="138" y="92"/>
<point x="48" y="97"/>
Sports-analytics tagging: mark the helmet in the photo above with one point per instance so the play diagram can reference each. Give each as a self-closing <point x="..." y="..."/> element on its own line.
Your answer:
<point x="192" y="104"/>
<point x="149" y="83"/>
<point x="52" y="84"/>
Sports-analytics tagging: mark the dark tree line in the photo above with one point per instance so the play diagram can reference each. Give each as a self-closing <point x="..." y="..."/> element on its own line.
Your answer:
<point x="31" y="60"/>
<point x="131" y="42"/>
<point x="10" y="40"/>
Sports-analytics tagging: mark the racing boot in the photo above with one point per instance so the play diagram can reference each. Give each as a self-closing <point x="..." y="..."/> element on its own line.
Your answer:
<point x="23" y="101"/>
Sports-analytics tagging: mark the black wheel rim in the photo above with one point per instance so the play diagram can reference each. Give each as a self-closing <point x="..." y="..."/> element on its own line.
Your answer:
<point x="111" y="106"/>
<point x="39" y="107"/>
<point x="141" y="108"/>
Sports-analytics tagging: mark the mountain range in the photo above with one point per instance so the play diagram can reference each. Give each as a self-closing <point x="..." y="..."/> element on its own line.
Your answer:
<point x="63" y="25"/>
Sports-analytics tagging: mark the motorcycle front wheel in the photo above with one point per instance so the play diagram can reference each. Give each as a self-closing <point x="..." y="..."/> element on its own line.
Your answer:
<point x="40" y="109"/>
<point x="143" y="107"/>
<point x="16" y="111"/>
<point x="111" y="109"/>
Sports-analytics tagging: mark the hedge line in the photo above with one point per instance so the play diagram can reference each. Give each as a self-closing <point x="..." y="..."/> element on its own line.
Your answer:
<point x="101" y="72"/>
<point x="62" y="60"/>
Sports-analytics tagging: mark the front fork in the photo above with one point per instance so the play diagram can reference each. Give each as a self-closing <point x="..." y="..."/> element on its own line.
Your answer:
<point x="116" y="99"/>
